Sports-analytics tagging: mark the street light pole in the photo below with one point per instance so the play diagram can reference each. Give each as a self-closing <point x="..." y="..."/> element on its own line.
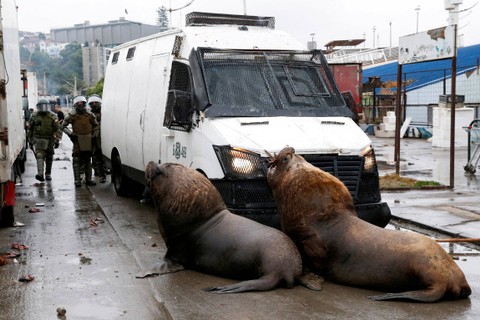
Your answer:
<point x="374" y="36"/>
<point x="418" y="11"/>
<point x="390" y="34"/>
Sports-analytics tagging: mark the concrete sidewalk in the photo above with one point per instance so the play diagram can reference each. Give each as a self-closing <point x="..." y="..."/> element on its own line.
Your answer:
<point x="452" y="212"/>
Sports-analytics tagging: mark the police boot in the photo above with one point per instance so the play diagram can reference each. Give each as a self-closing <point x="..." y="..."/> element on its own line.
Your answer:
<point x="101" y="171"/>
<point x="40" y="165"/>
<point x="76" y="162"/>
<point x="88" y="174"/>
<point x="48" y="169"/>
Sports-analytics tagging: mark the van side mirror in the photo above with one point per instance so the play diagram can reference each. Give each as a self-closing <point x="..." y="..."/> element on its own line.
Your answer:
<point x="201" y="93"/>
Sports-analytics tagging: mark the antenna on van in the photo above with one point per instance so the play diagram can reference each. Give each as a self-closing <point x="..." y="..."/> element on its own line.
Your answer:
<point x="176" y="9"/>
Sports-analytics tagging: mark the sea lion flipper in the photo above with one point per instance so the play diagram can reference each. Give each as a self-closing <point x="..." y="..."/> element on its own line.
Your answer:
<point x="427" y="295"/>
<point x="261" y="284"/>
<point x="311" y="281"/>
<point x="166" y="266"/>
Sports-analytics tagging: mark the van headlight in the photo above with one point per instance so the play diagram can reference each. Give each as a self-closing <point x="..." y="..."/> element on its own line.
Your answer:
<point x="237" y="163"/>
<point x="369" y="164"/>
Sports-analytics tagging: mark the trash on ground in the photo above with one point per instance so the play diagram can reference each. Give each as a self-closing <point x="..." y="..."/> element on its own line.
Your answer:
<point x="34" y="210"/>
<point x="61" y="311"/>
<point x="19" y="246"/>
<point x="96" y="221"/>
<point x="11" y="254"/>
<point x="26" y="278"/>
<point x="85" y="260"/>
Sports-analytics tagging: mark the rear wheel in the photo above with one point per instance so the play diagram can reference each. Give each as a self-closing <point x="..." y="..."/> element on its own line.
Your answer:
<point x="120" y="181"/>
<point x="469" y="168"/>
<point x="6" y="217"/>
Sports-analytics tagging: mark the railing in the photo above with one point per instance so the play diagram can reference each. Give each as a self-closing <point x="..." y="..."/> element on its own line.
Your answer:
<point x="366" y="57"/>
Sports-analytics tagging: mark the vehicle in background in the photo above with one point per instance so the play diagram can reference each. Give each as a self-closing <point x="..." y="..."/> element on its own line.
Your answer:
<point x="348" y="77"/>
<point x="220" y="95"/>
<point x="12" y="122"/>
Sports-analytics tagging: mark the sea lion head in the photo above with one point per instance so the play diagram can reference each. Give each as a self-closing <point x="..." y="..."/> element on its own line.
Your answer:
<point x="281" y="163"/>
<point x="298" y="186"/>
<point x="183" y="197"/>
<point x="151" y="172"/>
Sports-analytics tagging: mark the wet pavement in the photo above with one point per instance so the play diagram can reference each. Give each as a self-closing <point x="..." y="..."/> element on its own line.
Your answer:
<point x="86" y="245"/>
<point x="453" y="212"/>
<point x="74" y="254"/>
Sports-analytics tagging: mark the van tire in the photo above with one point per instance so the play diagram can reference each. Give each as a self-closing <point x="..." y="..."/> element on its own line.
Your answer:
<point x="119" y="180"/>
<point x="6" y="217"/>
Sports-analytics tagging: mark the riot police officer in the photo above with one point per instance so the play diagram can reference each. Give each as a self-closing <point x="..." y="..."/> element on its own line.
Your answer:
<point x="43" y="137"/>
<point x="84" y="129"/>
<point x="95" y="104"/>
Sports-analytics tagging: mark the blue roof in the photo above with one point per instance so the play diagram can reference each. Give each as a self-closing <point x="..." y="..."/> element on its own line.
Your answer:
<point x="417" y="76"/>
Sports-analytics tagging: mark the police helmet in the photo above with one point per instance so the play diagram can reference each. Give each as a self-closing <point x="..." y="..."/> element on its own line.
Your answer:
<point x="43" y="105"/>
<point x="79" y="103"/>
<point x="94" y="101"/>
<point x="94" y="98"/>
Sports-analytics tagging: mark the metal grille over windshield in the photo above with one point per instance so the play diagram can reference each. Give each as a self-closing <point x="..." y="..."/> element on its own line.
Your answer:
<point x="253" y="82"/>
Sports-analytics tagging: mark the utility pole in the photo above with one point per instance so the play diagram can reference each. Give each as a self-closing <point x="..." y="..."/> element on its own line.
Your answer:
<point x="390" y="48"/>
<point x="418" y="11"/>
<point x="390" y="34"/>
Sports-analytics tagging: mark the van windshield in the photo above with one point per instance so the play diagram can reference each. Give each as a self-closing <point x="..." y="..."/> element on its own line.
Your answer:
<point x="270" y="83"/>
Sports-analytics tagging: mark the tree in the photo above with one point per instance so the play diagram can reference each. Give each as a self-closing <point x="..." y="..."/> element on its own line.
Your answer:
<point x="162" y="19"/>
<point x="68" y="68"/>
<point x="60" y="73"/>
<point x="25" y="56"/>
<point x="97" y="89"/>
<point x="40" y="63"/>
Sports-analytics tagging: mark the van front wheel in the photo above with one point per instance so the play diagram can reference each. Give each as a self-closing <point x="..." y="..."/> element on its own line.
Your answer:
<point x="120" y="181"/>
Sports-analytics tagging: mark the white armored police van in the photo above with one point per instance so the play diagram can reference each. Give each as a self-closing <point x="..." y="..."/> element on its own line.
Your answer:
<point x="218" y="96"/>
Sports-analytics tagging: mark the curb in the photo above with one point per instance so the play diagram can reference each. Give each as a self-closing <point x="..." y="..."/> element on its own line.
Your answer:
<point x="419" y="227"/>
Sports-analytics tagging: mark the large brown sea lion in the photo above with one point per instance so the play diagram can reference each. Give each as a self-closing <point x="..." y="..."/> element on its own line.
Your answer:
<point x="201" y="234"/>
<point x="318" y="213"/>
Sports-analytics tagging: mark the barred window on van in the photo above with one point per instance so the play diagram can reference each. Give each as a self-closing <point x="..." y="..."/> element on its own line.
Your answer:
<point x="115" y="57"/>
<point x="130" y="53"/>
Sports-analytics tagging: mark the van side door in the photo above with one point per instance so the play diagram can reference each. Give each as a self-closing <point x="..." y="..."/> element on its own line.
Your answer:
<point x="154" y="112"/>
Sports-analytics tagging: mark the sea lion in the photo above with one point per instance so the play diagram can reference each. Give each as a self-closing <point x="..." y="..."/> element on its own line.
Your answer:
<point x="318" y="213"/>
<point x="202" y="234"/>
